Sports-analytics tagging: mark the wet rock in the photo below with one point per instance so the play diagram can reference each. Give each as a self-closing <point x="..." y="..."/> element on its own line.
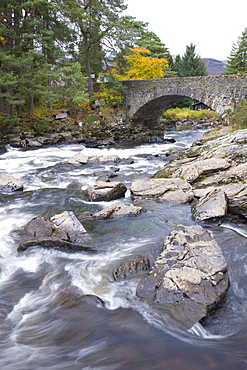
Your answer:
<point x="174" y="190"/>
<point x="106" y="191"/>
<point x="104" y="159"/>
<point x="42" y="227"/>
<point x="105" y="175"/>
<point x="9" y="184"/>
<point x="189" y="277"/>
<point x="32" y="143"/>
<point x="236" y="174"/>
<point x="236" y="196"/>
<point x="191" y="170"/>
<point x="68" y="222"/>
<point x="63" y="231"/>
<point x="53" y="243"/>
<point x="78" y="158"/>
<point x="229" y="145"/>
<point x="106" y="212"/>
<point x="115" y="210"/>
<point x="212" y="205"/>
<point x="237" y="199"/>
<point x="131" y="267"/>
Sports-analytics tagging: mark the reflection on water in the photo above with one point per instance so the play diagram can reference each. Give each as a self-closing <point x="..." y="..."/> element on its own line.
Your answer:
<point x="65" y="311"/>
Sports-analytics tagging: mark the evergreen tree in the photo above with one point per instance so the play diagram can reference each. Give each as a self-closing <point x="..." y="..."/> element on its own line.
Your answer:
<point x="33" y="40"/>
<point x="237" y="61"/>
<point x="191" y="64"/>
<point x="94" y="21"/>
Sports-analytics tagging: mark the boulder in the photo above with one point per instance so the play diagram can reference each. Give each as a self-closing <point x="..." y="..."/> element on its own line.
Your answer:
<point x="191" y="170"/>
<point x="236" y="196"/>
<point x="78" y="158"/>
<point x="212" y="205"/>
<point x="33" y="143"/>
<point x="198" y="168"/>
<point x="41" y="227"/>
<point x="104" y="159"/>
<point x="53" y="243"/>
<point x="229" y="145"/>
<point x="236" y="174"/>
<point x="131" y="267"/>
<point x="189" y="278"/>
<point x="68" y="222"/>
<point x="63" y="231"/>
<point x="174" y="190"/>
<point x="106" y="191"/>
<point x="114" y="210"/>
<point x="9" y="184"/>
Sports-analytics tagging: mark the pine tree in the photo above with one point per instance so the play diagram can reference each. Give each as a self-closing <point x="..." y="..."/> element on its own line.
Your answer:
<point x="33" y="44"/>
<point x="191" y="64"/>
<point x="237" y="61"/>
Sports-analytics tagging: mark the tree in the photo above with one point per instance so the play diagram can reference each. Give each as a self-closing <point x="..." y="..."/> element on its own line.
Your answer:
<point x="237" y="61"/>
<point x="150" y="41"/>
<point x="33" y="43"/>
<point x="191" y="64"/>
<point x="143" y="66"/>
<point x="96" y="22"/>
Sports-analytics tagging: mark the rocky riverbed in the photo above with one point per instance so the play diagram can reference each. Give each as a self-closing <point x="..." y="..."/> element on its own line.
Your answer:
<point x="210" y="176"/>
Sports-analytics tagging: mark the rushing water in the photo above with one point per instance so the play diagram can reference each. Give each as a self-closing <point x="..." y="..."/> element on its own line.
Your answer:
<point x="50" y="317"/>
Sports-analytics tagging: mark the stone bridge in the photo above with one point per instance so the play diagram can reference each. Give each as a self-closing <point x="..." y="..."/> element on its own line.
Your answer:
<point x="147" y="100"/>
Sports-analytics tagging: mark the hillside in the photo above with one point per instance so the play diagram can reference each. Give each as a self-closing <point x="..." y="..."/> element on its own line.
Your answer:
<point x="215" y="67"/>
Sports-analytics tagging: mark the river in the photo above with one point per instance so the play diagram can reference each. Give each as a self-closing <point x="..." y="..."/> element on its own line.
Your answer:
<point x="50" y="317"/>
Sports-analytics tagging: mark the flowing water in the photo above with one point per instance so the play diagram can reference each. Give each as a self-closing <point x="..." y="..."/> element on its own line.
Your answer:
<point x="50" y="316"/>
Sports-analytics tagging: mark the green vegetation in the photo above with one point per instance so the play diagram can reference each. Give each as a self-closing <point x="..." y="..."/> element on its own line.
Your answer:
<point x="52" y="53"/>
<point x="238" y="119"/>
<point x="179" y="114"/>
<point x="237" y="61"/>
<point x="190" y="64"/>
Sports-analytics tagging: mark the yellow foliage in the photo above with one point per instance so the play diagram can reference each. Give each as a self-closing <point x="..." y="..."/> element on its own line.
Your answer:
<point x="85" y="106"/>
<point x="2" y="40"/>
<point x="143" y="66"/>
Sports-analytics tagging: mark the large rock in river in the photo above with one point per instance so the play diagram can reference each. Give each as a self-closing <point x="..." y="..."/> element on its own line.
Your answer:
<point x="173" y="190"/>
<point x="10" y="183"/>
<point x="115" y="210"/>
<point x="63" y="231"/>
<point x="106" y="191"/>
<point x="189" y="277"/>
<point x="212" y="205"/>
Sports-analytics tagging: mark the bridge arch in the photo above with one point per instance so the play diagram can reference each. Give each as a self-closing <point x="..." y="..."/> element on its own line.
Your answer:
<point x="147" y="100"/>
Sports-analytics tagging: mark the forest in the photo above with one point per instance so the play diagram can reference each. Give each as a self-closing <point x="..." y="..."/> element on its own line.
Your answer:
<point x="54" y="52"/>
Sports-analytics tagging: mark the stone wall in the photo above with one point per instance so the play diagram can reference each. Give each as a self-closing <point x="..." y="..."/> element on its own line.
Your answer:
<point x="146" y="100"/>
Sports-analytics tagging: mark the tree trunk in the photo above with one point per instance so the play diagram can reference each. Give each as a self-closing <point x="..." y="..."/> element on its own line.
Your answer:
<point x="87" y="62"/>
<point x="2" y="110"/>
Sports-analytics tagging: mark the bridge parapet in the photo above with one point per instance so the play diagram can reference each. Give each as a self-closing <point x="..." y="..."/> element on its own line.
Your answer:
<point x="146" y="100"/>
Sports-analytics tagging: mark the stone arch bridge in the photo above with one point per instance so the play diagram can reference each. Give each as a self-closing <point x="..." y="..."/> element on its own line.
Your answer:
<point x="147" y="100"/>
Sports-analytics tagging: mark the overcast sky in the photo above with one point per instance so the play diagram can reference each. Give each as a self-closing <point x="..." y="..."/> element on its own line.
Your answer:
<point x="212" y="25"/>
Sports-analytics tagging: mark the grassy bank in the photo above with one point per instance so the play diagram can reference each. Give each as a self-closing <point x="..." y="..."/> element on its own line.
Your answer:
<point x="180" y="114"/>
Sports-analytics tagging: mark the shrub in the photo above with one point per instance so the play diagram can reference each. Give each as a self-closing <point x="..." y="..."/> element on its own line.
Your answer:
<point x="180" y="114"/>
<point x="7" y="123"/>
<point x="41" y="126"/>
<point x="238" y="119"/>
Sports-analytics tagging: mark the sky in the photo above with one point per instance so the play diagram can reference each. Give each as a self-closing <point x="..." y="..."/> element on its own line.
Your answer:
<point x="213" y="26"/>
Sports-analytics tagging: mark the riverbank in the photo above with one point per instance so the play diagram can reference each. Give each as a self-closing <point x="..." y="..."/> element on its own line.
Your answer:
<point x="67" y="131"/>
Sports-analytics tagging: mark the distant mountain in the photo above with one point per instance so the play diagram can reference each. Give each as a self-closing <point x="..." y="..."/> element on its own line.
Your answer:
<point x="215" y="67"/>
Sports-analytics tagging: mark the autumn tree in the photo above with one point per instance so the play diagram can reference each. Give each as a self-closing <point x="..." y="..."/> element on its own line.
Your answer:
<point x="237" y="61"/>
<point x="190" y="64"/>
<point x="142" y="66"/>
